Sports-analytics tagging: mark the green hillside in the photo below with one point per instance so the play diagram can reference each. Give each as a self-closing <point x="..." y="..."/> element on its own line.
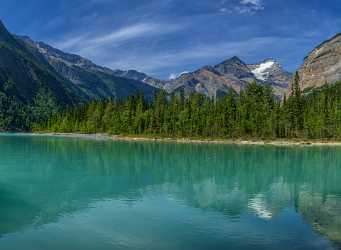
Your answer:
<point x="26" y="80"/>
<point x="32" y="88"/>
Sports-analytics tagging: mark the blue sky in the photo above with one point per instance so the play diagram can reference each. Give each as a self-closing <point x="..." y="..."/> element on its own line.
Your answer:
<point x="164" y="37"/>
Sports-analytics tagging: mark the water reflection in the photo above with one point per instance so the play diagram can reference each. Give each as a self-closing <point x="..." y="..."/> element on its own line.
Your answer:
<point x="43" y="179"/>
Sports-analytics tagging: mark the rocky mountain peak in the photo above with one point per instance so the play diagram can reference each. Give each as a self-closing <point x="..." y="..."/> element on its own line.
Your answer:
<point x="234" y="66"/>
<point x="323" y="65"/>
<point x="271" y="72"/>
<point x="232" y="73"/>
<point x="232" y="61"/>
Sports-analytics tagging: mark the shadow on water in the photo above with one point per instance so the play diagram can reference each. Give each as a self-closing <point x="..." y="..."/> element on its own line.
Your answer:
<point x="44" y="178"/>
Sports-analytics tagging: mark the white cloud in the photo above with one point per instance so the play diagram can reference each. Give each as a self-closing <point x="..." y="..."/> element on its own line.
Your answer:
<point x="241" y="6"/>
<point x="253" y="2"/>
<point x="252" y="5"/>
<point x="249" y="6"/>
<point x="69" y="43"/>
<point x="126" y="33"/>
<point x="85" y="43"/>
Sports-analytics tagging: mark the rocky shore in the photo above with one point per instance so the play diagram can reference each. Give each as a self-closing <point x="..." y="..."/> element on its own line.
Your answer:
<point x="286" y="142"/>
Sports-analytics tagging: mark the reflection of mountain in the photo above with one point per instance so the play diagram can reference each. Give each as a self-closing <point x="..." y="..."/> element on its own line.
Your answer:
<point x="323" y="212"/>
<point x="52" y="177"/>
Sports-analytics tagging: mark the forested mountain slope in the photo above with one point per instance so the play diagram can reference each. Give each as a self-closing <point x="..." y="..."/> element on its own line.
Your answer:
<point x="23" y="75"/>
<point x="30" y="89"/>
<point x="34" y="85"/>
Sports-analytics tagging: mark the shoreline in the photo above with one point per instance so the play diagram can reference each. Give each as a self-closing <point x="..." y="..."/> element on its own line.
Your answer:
<point x="107" y="137"/>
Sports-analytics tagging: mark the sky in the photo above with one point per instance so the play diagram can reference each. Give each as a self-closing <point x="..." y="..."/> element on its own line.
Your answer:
<point x="166" y="37"/>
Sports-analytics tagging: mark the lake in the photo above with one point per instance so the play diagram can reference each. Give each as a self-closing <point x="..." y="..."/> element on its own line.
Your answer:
<point x="70" y="194"/>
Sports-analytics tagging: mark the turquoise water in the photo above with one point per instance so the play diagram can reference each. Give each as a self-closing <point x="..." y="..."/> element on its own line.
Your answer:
<point x="71" y="194"/>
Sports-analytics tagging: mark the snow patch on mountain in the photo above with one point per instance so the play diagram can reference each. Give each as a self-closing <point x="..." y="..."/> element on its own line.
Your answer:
<point x="261" y="72"/>
<point x="175" y="76"/>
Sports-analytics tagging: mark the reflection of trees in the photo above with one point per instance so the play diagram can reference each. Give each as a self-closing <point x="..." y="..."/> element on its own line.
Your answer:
<point x="12" y="212"/>
<point x="229" y="179"/>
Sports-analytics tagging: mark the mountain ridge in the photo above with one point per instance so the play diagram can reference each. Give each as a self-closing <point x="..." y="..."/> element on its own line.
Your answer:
<point x="95" y="81"/>
<point x="27" y="74"/>
<point x="218" y="79"/>
<point x="322" y="65"/>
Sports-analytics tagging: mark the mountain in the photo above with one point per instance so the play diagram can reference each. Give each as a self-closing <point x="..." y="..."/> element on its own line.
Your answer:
<point x="232" y="73"/>
<point x="130" y="74"/>
<point x="78" y="79"/>
<point x="272" y="73"/>
<point x="236" y="67"/>
<point x="37" y="80"/>
<point x="93" y="81"/>
<point x="322" y="65"/>
<point x="23" y="75"/>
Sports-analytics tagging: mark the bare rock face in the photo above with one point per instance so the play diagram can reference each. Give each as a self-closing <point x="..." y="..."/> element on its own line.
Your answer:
<point x="206" y="81"/>
<point x="323" y="65"/>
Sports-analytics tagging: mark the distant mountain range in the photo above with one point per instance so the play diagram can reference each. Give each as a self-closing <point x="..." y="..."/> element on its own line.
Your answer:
<point x="98" y="82"/>
<point x="233" y="73"/>
<point x="27" y="66"/>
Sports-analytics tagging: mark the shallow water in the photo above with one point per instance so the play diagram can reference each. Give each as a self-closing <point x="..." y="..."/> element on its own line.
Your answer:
<point x="58" y="193"/>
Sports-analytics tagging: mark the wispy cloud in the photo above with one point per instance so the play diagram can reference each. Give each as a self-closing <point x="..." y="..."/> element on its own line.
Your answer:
<point x="126" y="33"/>
<point x="69" y="42"/>
<point x="248" y="6"/>
<point x="86" y="42"/>
<point x="242" y="6"/>
<point x="257" y="3"/>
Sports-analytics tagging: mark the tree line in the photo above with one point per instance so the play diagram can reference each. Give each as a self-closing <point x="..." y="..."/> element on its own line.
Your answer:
<point x="253" y="113"/>
<point x="16" y="115"/>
